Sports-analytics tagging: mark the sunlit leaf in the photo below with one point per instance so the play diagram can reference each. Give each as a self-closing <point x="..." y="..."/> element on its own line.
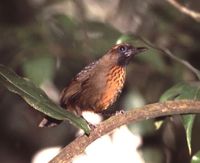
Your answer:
<point x="196" y="158"/>
<point x="35" y="97"/>
<point x="124" y="38"/>
<point x="188" y="121"/>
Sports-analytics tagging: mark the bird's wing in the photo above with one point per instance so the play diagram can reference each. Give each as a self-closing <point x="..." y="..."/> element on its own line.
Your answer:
<point x="72" y="92"/>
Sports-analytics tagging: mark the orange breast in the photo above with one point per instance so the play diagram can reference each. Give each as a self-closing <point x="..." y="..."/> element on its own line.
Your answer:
<point x="114" y="84"/>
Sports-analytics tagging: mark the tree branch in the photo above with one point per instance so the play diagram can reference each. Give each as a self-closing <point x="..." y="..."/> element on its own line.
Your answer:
<point x="146" y="112"/>
<point x="172" y="56"/>
<point x="195" y="15"/>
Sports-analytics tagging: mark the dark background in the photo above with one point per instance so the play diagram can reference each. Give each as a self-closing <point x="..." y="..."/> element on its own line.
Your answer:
<point x="50" y="41"/>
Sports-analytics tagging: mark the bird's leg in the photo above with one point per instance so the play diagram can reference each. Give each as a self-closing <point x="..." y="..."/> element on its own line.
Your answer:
<point x="91" y="126"/>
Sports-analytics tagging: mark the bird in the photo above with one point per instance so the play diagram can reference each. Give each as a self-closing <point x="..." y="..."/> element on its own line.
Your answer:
<point x="96" y="87"/>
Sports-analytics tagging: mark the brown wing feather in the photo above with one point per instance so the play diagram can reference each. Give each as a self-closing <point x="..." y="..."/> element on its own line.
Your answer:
<point x="72" y="92"/>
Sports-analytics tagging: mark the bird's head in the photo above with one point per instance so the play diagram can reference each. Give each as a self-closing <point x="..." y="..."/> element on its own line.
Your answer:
<point x="122" y="53"/>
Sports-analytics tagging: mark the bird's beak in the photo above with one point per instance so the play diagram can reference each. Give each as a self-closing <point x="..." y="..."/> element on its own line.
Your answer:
<point x="134" y="51"/>
<point x="140" y="49"/>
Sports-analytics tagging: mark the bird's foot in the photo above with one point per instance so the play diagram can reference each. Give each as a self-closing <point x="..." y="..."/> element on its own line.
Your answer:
<point x="92" y="126"/>
<point x="122" y="111"/>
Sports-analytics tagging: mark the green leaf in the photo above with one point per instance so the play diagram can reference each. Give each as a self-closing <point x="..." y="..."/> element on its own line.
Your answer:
<point x="196" y="158"/>
<point x="173" y="92"/>
<point x="36" y="98"/>
<point x="184" y="91"/>
<point x="124" y="38"/>
<point x="39" y="69"/>
<point x="188" y="121"/>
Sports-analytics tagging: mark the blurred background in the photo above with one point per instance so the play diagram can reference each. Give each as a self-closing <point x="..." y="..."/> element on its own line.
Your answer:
<point x="50" y="41"/>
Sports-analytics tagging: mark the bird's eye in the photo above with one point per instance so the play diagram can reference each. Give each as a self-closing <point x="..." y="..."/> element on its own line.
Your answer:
<point x="123" y="48"/>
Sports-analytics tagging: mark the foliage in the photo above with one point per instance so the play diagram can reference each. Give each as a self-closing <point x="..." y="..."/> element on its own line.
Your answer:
<point x="49" y="42"/>
<point x="37" y="98"/>
<point x="184" y="91"/>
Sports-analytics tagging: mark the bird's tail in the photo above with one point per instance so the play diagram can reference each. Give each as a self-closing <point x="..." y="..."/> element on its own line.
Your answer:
<point x="49" y="122"/>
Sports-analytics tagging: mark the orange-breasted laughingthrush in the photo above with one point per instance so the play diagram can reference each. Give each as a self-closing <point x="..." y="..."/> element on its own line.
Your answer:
<point x="98" y="85"/>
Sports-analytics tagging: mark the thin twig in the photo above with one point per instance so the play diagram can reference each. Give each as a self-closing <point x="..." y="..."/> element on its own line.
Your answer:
<point x="146" y="112"/>
<point x="194" y="14"/>
<point x="171" y="55"/>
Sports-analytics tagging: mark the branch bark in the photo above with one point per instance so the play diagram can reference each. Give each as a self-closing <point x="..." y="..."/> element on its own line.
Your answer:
<point x="194" y="14"/>
<point x="172" y="56"/>
<point x="146" y="112"/>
